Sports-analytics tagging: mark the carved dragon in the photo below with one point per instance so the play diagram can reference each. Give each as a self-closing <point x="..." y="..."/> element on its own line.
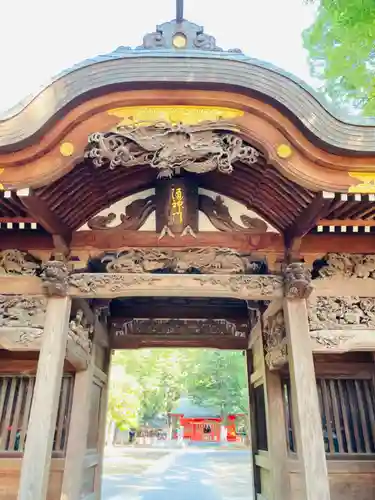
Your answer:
<point x="346" y="265"/>
<point x="204" y="260"/>
<point x="219" y="216"/>
<point x="17" y="262"/>
<point x="170" y="148"/>
<point x="22" y="311"/>
<point x="340" y="313"/>
<point x="135" y="215"/>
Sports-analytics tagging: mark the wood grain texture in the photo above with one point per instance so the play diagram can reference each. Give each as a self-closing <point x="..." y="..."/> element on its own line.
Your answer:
<point x="10" y="477"/>
<point x="305" y="405"/>
<point x="261" y="123"/>
<point x="35" y="473"/>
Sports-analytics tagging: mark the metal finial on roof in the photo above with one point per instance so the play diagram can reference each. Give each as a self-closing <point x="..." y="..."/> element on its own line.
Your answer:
<point x="179" y="11"/>
<point x="180" y="34"/>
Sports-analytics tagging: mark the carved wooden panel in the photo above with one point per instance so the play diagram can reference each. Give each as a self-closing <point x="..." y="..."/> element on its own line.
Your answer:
<point x="342" y="323"/>
<point x="181" y="261"/>
<point x="127" y="332"/>
<point x="341" y="313"/>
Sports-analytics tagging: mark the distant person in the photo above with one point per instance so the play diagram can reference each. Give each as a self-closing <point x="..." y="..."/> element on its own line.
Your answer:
<point x="131" y="435"/>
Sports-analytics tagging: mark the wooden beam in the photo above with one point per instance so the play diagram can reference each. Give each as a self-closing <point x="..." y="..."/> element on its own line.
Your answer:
<point x="342" y="341"/>
<point x="307" y="219"/>
<point x="123" y="329"/>
<point x="114" y="240"/>
<point x="346" y="222"/>
<point x="212" y="342"/>
<point x="43" y="215"/>
<point x="166" y="285"/>
<point x="88" y="244"/>
<point x="305" y="404"/>
<point x="36" y="463"/>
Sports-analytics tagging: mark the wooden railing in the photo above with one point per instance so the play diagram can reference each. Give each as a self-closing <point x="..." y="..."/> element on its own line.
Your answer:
<point x="16" y="393"/>
<point x="347" y="409"/>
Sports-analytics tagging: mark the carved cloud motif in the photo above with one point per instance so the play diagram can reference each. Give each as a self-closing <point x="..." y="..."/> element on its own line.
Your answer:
<point x="341" y="313"/>
<point x="348" y="266"/>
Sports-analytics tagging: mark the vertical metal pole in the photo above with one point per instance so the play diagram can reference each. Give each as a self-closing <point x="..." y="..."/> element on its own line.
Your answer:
<point x="179" y="11"/>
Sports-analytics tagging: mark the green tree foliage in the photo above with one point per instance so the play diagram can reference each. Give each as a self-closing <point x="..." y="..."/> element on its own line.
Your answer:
<point x="218" y="378"/>
<point x="148" y="382"/>
<point x="342" y="51"/>
<point x="124" y="401"/>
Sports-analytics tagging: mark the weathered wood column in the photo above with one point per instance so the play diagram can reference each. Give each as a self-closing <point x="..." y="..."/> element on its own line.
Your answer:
<point x="305" y="403"/>
<point x="36" y="462"/>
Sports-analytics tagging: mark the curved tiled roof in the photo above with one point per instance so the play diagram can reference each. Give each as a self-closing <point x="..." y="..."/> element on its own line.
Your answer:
<point x="144" y="66"/>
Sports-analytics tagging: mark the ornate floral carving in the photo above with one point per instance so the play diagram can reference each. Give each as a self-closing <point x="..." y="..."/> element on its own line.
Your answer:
<point x="250" y="284"/>
<point x="204" y="260"/>
<point x="22" y="311"/>
<point x="340" y="313"/>
<point x="55" y="275"/>
<point x="170" y="148"/>
<point x="81" y="332"/>
<point x="97" y="283"/>
<point x="219" y="216"/>
<point x="275" y="343"/>
<point x="28" y="336"/>
<point x="345" y="265"/>
<point x="135" y="215"/>
<point x="17" y="262"/>
<point x="15" y="338"/>
<point x="297" y="281"/>
<point x="328" y="340"/>
<point x="184" y="327"/>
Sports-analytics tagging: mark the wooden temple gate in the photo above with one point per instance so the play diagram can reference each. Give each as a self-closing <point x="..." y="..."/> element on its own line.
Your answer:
<point x="248" y="224"/>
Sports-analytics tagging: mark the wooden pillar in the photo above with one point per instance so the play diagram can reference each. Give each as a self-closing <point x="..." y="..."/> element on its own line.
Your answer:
<point x="78" y="430"/>
<point x="38" y="448"/>
<point x="305" y="403"/>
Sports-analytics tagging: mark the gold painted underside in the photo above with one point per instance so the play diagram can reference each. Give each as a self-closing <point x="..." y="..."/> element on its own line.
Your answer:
<point x="366" y="184"/>
<point x="187" y="115"/>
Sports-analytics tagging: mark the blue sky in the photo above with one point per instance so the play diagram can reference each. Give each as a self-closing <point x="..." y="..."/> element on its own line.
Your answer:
<point x="40" y="38"/>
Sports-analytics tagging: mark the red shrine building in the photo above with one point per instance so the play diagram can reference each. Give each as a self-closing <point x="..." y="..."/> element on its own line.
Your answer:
<point x="200" y="423"/>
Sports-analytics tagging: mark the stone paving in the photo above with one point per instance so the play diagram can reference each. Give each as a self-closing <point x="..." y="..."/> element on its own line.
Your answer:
<point x="186" y="474"/>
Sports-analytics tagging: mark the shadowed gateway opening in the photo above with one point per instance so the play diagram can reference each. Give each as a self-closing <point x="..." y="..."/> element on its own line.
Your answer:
<point x="177" y="421"/>
<point x="179" y="322"/>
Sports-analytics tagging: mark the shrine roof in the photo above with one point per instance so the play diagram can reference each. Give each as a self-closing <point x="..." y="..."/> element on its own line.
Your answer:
<point x="186" y="407"/>
<point x="200" y="63"/>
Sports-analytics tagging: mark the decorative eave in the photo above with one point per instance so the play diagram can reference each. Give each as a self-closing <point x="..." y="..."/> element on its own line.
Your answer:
<point x="162" y="65"/>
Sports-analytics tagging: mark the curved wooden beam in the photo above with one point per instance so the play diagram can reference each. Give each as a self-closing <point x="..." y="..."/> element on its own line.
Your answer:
<point x="261" y="124"/>
<point x="137" y="68"/>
